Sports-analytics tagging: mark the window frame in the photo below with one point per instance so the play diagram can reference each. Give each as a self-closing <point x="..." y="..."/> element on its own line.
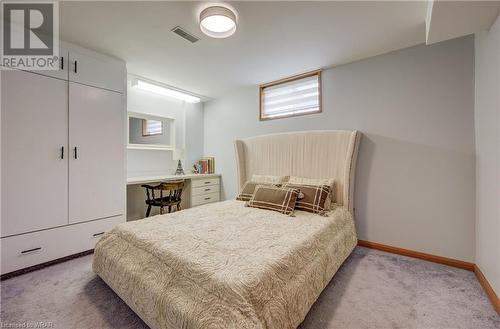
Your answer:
<point x="285" y="80"/>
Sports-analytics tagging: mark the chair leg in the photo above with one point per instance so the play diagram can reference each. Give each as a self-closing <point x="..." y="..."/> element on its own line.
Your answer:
<point x="162" y="210"/>
<point x="148" y="211"/>
<point x="169" y="209"/>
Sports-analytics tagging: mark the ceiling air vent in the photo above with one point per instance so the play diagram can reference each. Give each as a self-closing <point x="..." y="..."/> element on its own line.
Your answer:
<point x="183" y="34"/>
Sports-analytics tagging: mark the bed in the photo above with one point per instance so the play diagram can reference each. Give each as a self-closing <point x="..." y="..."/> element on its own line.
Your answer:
<point x="225" y="265"/>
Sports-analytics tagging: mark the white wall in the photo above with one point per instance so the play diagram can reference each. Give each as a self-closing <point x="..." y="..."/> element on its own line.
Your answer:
<point x="193" y="135"/>
<point x="487" y="121"/>
<point x="188" y="135"/>
<point x="416" y="169"/>
<point x="188" y="129"/>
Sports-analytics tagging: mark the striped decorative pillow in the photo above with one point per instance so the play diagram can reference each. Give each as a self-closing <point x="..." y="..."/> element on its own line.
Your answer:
<point x="314" y="197"/>
<point x="317" y="182"/>
<point x="248" y="189"/>
<point x="274" y="198"/>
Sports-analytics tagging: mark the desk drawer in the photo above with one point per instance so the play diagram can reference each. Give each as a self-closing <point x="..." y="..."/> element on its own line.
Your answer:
<point x="205" y="189"/>
<point x="198" y="200"/>
<point x="204" y="182"/>
<point x="30" y="249"/>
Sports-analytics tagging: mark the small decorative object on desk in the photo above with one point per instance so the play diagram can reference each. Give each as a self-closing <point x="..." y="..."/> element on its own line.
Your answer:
<point x="207" y="165"/>
<point x="178" y="154"/>
<point x="196" y="168"/>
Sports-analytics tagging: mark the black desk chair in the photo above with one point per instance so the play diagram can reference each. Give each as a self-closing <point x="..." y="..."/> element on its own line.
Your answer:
<point x="164" y="195"/>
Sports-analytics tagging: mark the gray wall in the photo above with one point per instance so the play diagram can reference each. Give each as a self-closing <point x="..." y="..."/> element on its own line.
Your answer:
<point x="487" y="121"/>
<point x="415" y="176"/>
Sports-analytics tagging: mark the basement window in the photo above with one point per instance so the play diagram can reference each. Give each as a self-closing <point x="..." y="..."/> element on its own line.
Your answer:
<point x="152" y="127"/>
<point x="293" y="96"/>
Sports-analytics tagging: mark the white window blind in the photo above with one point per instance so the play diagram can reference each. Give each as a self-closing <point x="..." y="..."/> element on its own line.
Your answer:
<point x="152" y="127"/>
<point x="295" y="96"/>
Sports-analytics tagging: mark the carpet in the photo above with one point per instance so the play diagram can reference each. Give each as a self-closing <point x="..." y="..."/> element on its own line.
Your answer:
<point x="373" y="289"/>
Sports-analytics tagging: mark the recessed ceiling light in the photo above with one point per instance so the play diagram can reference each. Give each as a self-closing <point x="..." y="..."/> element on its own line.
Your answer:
<point x="218" y="22"/>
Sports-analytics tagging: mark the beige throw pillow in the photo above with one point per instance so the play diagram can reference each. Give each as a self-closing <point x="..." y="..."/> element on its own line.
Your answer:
<point x="270" y="179"/>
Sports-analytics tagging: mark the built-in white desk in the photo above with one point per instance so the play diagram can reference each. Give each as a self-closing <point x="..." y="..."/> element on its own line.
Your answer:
<point x="133" y="180"/>
<point x="199" y="189"/>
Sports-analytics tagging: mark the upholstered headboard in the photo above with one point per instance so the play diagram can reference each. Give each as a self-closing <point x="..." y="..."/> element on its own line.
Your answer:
<point x="311" y="154"/>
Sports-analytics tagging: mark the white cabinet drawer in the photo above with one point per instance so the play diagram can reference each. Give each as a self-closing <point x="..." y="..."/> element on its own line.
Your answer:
<point x="39" y="247"/>
<point x="205" y="182"/>
<point x="198" y="200"/>
<point x="205" y="189"/>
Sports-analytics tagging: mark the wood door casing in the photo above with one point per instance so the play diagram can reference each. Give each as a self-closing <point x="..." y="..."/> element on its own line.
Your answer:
<point x="34" y="175"/>
<point x="97" y="175"/>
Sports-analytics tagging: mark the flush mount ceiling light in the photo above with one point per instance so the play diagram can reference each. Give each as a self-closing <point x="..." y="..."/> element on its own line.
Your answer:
<point x="218" y="22"/>
<point x="165" y="91"/>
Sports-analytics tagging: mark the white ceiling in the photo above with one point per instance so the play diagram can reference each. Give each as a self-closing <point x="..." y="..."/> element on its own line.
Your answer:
<point x="273" y="40"/>
<point x="451" y="19"/>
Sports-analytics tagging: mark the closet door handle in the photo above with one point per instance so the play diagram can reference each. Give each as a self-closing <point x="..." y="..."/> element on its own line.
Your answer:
<point x="31" y="250"/>
<point x="75" y="152"/>
<point x="62" y="152"/>
<point x="76" y="67"/>
<point x="62" y="63"/>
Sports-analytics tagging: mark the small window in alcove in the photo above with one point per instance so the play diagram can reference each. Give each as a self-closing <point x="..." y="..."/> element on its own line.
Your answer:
<point x="152" y="127"/>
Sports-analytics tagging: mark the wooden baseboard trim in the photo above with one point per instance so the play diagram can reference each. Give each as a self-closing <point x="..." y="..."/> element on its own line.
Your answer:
<point x="492" y="296"/>
<point x="417" y="254"/>
<point x="42" y="265"/>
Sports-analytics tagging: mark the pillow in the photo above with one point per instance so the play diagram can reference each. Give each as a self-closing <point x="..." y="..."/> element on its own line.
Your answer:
<point x="313" y="197"/>
<point x="270" y="179"/>
<point x="318" y="182"/>
<point x="274" y="198"/>
<point x="248" y="189"/>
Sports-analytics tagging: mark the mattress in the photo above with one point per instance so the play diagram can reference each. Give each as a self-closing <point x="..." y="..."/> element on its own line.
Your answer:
<point x="224" y="265"/>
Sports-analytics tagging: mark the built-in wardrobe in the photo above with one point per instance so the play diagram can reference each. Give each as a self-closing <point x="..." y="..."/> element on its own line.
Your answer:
<point x="62" y="156"/>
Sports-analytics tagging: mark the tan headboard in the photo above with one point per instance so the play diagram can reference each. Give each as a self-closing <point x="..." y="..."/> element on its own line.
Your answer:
<point x="311" y="154"/>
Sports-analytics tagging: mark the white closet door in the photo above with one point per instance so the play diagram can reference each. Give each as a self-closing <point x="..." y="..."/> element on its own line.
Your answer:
<point x="96" y="72"/>
<point x="97" y="163"/>
<point x="62" y="64"/>
<point x="34" y="170"/>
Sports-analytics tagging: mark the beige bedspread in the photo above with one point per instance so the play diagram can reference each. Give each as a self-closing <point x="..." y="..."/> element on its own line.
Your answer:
<point x="224" y="265"/>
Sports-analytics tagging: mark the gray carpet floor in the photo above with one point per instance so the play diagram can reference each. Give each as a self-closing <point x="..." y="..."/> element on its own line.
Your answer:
<point x="372" y="289"/>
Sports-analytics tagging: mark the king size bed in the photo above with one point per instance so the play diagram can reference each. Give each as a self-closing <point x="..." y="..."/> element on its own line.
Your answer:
<point x="225" y="265"/>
